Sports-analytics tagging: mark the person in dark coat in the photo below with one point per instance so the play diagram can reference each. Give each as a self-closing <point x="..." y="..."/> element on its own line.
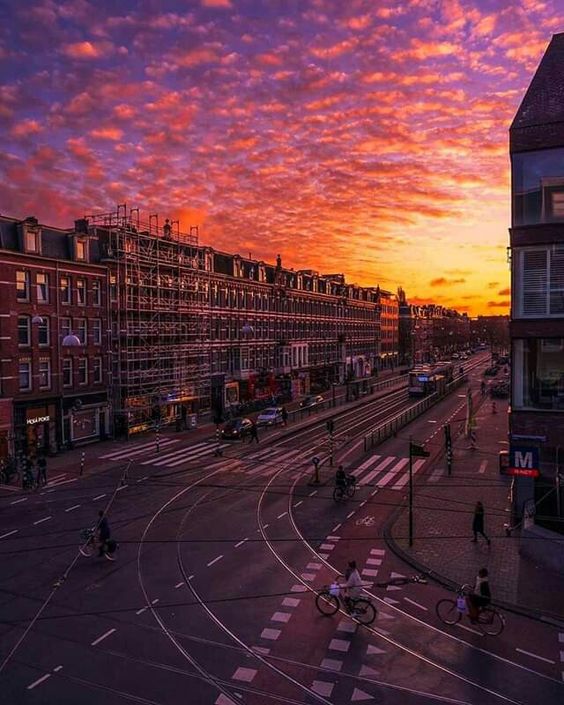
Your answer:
<point x="478" y="523"/>
<point x="254" y="433"/>
<point x="41" y="470"/>
<point x="284" y="416"/>
<point x="103" y="532"/>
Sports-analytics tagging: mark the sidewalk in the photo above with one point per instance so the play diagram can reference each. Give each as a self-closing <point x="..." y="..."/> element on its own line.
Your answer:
<point x="69" y="461"/>
<point x="443" y="512"/>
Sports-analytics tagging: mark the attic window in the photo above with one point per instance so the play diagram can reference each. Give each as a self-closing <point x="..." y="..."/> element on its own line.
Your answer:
<point x="32" y="242"/>
<point x="81" y="250"/>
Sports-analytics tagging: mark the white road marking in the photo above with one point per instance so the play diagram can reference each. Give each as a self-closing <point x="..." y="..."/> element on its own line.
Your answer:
<point x="339" y="645"/>
<point x="241" y="542"/>
<point x="350" y="514"/>
<point x="403" y="480"/>
<point x="281" y="617"/>
<point x="154" y="602"/>
<point x="101" y="638"/>
<point x="71" y="509"/>
<point x="377" y="551"/>
<point x="33" y="685"/>
<point x="244" y="674"/>
<point x="57" y="669"/>
<point x="335" y="528"/>
<point x="40" y="521"/>
<point x="312" y="493"/>
<point x="98" y="497"/>
<point x="483" y="466"/>
<point x="290" y="602"/>
<point x="322" y="688"/>
<point x="143" y="609"/>
<point x="119" y="489"/>
<point x="17" y="501"/>
<point x="412" y="602"/>
<point x="469" y="629"/>
<point x="9" y="533"/>
<point x="215" y="560"/>
<point x="370" y="572"/>
<point x="540" y="658"/>
<point x="331" y="664"/>
<point x="334" y="538"/>
<point x="378" y="469"/>
<point x="179" y="585"/>
<point x="297" y="504"/>
<point x="271" y="634"/>
<point x="282" y="515"/>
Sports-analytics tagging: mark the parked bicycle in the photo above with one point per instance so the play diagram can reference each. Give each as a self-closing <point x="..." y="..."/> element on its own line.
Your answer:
<point x="9" y="471"/>
<point x="90" y="545"/>
<point x="489" y="620"/>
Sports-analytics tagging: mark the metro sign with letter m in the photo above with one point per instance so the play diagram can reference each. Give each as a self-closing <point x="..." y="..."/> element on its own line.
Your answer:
<point x="523" y="462"/>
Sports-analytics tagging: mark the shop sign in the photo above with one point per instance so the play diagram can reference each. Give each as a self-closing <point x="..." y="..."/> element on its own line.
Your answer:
<point x="38" y="419"/>
<point x="523" y="462"/>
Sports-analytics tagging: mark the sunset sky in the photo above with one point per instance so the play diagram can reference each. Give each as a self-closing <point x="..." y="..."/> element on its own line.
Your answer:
<point x="366" y="137"/>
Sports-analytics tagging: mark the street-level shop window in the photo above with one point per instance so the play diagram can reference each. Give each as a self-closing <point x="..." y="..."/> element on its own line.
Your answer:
<point x="97" y="331"/>
<point x="67" y="372"/>
<point x="97" y="370"/>
<point x="24" y="330"/>
<point x="83" y="370"/>
<point x="65" y="289"/>
<point x="81" y="330"/>
<point x="25" y="376"/>
<point x="22" y="285"/>
<point x="538" y="374"/>
<point x="44" y="374"/>
<point x="42" y="281"/>
<point x="81" y="292"/>
<point x="96" y="292"/>
<point x="43" y="330"/>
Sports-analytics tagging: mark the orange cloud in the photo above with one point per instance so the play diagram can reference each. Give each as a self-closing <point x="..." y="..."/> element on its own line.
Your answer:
<point x="217" y="3"/>
<point x="81" y="50"/>
<point x="25" y="128"/>
<point x="107" y="133"/>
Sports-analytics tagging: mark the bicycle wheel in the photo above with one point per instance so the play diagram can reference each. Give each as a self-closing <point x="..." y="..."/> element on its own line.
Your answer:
<point x="491" y="621"/>
<point x="363" y="611"/>
<point x="87" y="549"/>
<point x="351" y="489"/>
<point x="326" y="603"/>
<point x="447" y="612"/>
<point x="338" y="494"/>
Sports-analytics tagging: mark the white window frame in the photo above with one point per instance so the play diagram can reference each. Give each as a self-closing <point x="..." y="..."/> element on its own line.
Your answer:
<point x="83" y="361"/>
<point x="47" y="370"/>
<point x="32" y="237"/>
<point x="97" y="367"/>
<point x="69" y="369"/>
<point x="97" y="331"/>
<point x="543" y="288"/>
<point x="96" y="292"/>
<point x="80" y="281"/>
<point x="27" y="282"/>
<point x="78" y="325"/>
<point x="29" y="373"/>
<point x="66" y="300"/>
<point x="45" y="322"/>
<point x="28" y="326"/>
<point x="42" y="288"/>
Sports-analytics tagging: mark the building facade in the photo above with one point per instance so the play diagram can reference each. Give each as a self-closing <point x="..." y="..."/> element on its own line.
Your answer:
<point x="537" y="272"/>
<point x="51" y="290"/>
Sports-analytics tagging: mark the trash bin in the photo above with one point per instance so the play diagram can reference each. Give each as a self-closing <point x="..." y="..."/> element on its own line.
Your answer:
<point x="192" y="421"/>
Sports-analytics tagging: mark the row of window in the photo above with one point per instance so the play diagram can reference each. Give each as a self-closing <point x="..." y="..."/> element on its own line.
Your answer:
<point x="69" y="291"/>
<point x="80" y="329"/>
<point x="32" y="244"/>
<point x="87" y="371"/>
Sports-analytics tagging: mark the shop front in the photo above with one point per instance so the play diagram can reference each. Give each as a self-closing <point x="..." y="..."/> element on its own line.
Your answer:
<point x="35" y="427"/>
<point x="85" y="419"/>
<point x="6" y="429"/>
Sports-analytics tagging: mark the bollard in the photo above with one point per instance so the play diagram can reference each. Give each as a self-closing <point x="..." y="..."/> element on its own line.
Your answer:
<point x="82" y="458"/>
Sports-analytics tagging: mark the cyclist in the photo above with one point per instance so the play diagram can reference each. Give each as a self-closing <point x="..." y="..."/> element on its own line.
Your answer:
<point x="104" y="533"/>
<point x="342" y="479"/>
<point x="352" y="587"/>
<point x="481" y="596"/>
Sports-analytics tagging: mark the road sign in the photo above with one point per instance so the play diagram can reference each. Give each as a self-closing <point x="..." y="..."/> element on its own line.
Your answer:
<point x="523" y="462"/>
<point x="315" y="460"/>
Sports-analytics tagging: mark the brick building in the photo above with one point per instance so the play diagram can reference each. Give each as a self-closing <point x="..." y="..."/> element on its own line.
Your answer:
<point x="51" y="291"/>
<point x="537" y="271"/>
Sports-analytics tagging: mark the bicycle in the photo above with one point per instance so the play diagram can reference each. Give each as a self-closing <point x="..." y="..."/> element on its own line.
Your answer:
<point x="89" y="545"/>
<point x="329" y="601"/>
<point x="8" y="471"/>
<point x="450" y="612"/>
<point x="346" y="491"/>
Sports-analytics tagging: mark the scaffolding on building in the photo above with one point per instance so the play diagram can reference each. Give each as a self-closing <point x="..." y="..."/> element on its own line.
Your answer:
<point x="159" y="313"/>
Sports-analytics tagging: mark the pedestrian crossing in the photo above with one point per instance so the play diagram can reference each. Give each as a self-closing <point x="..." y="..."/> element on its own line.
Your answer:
<point x="391" y="472"/>
<point x="141" y="449"/>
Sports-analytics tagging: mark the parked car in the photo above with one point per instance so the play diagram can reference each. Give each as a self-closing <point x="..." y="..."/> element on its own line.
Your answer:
<point x="500" y="390"/>
<point x="311" y="400"/>
<point x="236" y="429"/>
<point x="491" y="371"/>
<point x="455" y="356"/>
<point x="270" y="416"/>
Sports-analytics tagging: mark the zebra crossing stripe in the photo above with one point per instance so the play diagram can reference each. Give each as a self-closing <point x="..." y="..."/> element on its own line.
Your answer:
<point x="276" y="457"/>
<point x="366" y="465"/>
<point x="403" y="480"/>
<point x="171" y="455"/>
<point x="372" y="474"/>
<point x="126" y="452"/>
<point x="402" y="462"/>
<point x="193" y="456"/>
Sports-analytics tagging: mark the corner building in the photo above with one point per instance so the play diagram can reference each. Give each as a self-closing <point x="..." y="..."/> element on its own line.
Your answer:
<point x="537" y="271"/>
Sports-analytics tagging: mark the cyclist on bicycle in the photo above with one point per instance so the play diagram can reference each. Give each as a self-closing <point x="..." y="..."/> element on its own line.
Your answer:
<point x="352" y="587"/>
<point x="342" y="479"/>
<point x="481" y="596"/>
<point x="104" y="533"/>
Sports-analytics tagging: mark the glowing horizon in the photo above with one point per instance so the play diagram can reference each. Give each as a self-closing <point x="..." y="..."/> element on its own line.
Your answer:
<point x="370" y="139"/>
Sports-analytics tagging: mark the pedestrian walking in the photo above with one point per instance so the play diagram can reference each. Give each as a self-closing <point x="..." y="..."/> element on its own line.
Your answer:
<point x="254" y="433"/>
<point x="41" y="470"/>
<point x="284" y="416"/>
<point x="478" y="523"/>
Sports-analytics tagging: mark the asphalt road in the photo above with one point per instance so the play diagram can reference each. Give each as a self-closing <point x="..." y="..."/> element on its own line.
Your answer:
<point x="211" y="598"/>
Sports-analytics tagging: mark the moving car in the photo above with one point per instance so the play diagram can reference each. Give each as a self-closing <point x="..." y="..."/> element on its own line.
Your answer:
<point x="311" y="400"/>
<point x="236" y="429"/>
<point x="270" y="416"/>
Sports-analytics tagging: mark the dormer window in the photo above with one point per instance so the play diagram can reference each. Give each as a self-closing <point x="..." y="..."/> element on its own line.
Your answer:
<point x="80" y="248"/>
<point x="31" y="236"/>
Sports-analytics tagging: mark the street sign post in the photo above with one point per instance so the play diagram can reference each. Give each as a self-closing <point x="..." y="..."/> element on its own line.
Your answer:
<point x="416" y="450"/>
<point x="315" y="460"/>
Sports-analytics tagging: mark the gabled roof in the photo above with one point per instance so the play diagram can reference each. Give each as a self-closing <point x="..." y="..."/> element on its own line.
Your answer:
<point x="544" y="100"/>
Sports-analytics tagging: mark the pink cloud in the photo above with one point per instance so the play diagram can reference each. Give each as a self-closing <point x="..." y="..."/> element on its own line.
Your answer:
<point x="107" y="133"/>
<point x="82" y="50"/>
<point x="217" y="3"/>
<point x="26" y="128"/>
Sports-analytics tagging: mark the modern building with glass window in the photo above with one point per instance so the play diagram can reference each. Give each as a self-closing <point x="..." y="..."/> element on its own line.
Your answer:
<point x="537" y="267"/>
<point x="53" y="338"/>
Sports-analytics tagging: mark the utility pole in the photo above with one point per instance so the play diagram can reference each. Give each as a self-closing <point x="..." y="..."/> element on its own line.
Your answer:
<point x="330" y="430"/>
<point x="416" y="450"/>
<point x="448" y="447"/>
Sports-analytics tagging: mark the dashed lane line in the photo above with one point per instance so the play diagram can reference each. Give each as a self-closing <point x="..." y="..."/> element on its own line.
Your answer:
<point x="282" y="515"/>
<point x="100" y="496"/>
<point x="101" y="638"/>
<point x="540" y="658"/>
<point x="33" y="685"/>
<point x="71" y="509"/>
<point x="40" y="521"/>
<point x="336" y="528"/>
<point x="215" y="560"/>
<point x="9" y="533"/>
<point x="240" y="543"/>
<point x="416" y="604"/>
<point x="17" y="501"/>
<point x="179" y="585"/>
